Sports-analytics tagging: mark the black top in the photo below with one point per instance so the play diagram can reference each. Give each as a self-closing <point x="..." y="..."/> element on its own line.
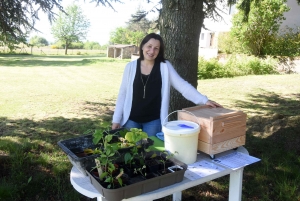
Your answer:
<point x="145" y="109"/>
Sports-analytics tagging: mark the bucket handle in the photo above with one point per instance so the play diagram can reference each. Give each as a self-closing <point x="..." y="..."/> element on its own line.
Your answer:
<point x="181" y="111"/>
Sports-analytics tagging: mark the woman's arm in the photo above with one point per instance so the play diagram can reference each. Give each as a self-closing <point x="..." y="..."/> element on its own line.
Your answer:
<point x="187" y="90"/>
<point x="118" y="113"/>
<point x="213" y="104"/>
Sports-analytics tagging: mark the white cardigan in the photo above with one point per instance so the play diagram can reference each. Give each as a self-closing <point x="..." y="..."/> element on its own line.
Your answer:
<point x="169" y="78"/>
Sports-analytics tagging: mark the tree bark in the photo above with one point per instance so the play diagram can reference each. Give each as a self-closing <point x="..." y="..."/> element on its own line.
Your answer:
<point x="66" y="48"/>
<point x="180" y="26"/>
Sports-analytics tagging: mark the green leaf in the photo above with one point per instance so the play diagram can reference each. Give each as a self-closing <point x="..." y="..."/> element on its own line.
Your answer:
<point x="29" y="180"/>
<point x="115" y="146"/>
<point x="127" y="157"/>
<point x="97" y="136"/>
<point x="111" y="168"/>
<point x="153" y="155"/>
<point x="120" y="181"/>
<point x="104" y="174"/>
<point x="111" y="154"/>
<point x="108" y="138"/>
<point x="122" y="133"/>
<point x="135" y="135"/>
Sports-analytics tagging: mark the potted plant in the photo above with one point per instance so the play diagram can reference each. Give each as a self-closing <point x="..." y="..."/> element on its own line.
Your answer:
<point x="165" y="157"/>
<point x="152" y="161"/>
<point x="113" y="166"/>
<point x="135" y="137"/>
<point x="109" y="172"/>
<point x="82" y="150"/>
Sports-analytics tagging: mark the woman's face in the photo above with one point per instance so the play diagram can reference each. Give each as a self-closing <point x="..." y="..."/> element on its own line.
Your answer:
<point x="151" y="49"/>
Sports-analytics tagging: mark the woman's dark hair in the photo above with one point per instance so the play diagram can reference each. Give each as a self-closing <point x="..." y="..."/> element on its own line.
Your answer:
<point x="160" y="57"/>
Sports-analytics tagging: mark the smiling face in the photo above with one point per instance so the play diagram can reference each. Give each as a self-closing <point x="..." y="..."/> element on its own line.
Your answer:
<point x="151" y="49"/>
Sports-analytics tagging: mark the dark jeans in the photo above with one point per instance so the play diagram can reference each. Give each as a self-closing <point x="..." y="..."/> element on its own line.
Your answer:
<point x="151" y="128"/>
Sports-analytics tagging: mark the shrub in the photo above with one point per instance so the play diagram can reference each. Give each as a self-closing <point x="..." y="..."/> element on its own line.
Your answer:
<point x="285" y="44"/>
<point x="76" y="45"/>
<point x="227" y="43"/>
<point x="212" y="69"/>
<point x="236" y="65"/>
<point x="263" y="23"/>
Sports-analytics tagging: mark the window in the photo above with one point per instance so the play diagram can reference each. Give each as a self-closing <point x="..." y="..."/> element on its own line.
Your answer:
<point x="202" y="36"/>
<point x="231" y="9"/>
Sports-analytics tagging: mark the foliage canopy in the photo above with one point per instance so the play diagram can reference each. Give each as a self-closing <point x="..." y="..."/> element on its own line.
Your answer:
<point x="263" y="22"/>
<point x="135" y="30"/>
<point x="38" y="41"/>
<point x="71" y="26"/>
<point x="18" y="17"/>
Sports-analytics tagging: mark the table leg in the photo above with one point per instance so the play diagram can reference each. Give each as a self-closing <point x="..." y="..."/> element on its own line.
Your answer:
<point x="235" y="185"/>
<point x="177" y="196"/>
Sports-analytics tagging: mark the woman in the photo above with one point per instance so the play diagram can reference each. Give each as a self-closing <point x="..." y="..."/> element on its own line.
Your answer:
<point x="143" y="99"/>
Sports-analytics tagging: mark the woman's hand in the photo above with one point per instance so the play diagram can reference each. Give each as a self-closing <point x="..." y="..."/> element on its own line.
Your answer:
<point x="115" y="126"/>
<point x="213" y="104"/>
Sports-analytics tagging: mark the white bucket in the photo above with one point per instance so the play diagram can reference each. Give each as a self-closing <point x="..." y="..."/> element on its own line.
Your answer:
<point x="182" y="137"/>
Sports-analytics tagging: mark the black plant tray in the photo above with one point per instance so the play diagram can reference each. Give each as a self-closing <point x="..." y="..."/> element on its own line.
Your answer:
<point x="141" y="187"/>
<point x="74" y="146"/>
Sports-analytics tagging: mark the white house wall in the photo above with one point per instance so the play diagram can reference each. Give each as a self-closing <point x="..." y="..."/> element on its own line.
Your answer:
<point x="293" y="16"/>
<point x="212" y="27"/>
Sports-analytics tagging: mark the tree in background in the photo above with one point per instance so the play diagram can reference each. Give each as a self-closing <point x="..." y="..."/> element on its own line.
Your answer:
<point x="10" y="42"/>
<point x="180" y="23"/>
<point x="285" y="43"/>
<point x="138" y="24"/>
<point x="90" y="45"/>
<point x="38" y="42"/>
<point x="118" y="36"/>
<point x="71" y="26"/>
<point x="135" y="30"/>
<point x="17" y="18"/>
<point x="125" y="36"/>
<point x="263" y="24"/>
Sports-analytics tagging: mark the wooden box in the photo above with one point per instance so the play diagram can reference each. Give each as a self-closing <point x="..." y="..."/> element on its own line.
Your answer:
<point x="221" y="129"/>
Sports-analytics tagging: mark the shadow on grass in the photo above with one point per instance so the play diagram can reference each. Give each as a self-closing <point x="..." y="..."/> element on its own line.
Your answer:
<point x="58" y="61"/>
<point x="50" y="56"/>
<point x="32" y="165"/>
<point x="271" y="103"/>
<point x="59" y="127"/>
<point x="277" y="119"/>
<point x="273" y="135"/>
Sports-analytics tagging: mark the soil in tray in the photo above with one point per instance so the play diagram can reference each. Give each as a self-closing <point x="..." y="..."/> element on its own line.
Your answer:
<point x="125" y="179"/>
<point x="79" y="152"/>
<point x="152" y="165"/>
<point x="151" y="175"/>
<point x="136" y="179"/>
<point x="164" y="171"/>
<point x="168" y="163"/>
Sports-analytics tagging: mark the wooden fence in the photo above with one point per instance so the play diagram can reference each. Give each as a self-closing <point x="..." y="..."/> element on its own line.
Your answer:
<point x="49" y="51"/>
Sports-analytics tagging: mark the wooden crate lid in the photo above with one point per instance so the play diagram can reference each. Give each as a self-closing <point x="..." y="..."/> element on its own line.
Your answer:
<point x="205" y="111"/>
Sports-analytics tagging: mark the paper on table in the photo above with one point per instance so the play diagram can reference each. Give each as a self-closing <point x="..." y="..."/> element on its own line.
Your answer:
<point x="236" y="160"/>
<point x="201" y="169"/>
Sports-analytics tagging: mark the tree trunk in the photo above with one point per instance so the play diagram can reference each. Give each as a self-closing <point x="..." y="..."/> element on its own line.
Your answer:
<point x="66" y="48"/>
<point x="180" y="26"/>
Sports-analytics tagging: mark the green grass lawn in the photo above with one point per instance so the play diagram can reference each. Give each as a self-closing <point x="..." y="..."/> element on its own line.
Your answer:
<point x="46" y="99"/>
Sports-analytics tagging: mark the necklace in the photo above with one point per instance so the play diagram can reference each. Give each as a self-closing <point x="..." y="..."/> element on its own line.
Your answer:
<point x="145" y="83"/>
